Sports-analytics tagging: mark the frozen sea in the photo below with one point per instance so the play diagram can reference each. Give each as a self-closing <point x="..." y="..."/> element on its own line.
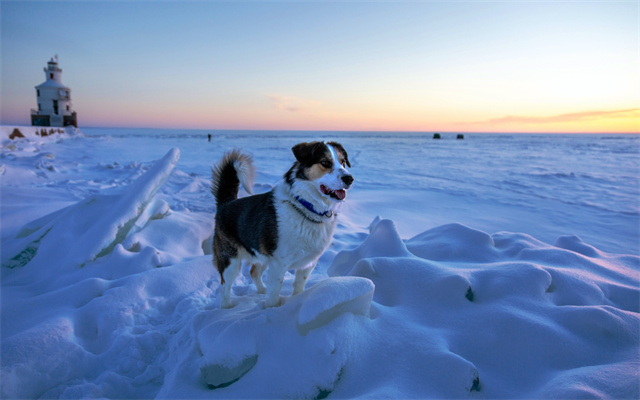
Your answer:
<point x="498" y="266"/>
<point x="544" y="185"/>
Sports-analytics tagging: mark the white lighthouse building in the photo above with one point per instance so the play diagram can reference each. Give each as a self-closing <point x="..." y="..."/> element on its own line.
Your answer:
<point x="54" y="100"/>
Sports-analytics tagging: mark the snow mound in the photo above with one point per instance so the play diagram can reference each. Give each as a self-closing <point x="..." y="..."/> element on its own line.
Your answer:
<point x="501" y="315"/>
<point x="77" y="227"/>
<point x="41" y="357"/>
<point x="383" y="241"/>
<point x="453" y="242"/>
<point x="308" y="340"/>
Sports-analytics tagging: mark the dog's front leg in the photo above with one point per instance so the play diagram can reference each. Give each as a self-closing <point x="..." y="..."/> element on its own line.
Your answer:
<point x="275" y="276"/>
<point x="301" y="277"/>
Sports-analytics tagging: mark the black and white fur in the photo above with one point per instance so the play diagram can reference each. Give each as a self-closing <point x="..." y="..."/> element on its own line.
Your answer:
<point x="287" y="228"/>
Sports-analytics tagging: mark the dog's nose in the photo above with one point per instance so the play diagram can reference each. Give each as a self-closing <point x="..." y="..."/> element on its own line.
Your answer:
<point x="347" y="179"/>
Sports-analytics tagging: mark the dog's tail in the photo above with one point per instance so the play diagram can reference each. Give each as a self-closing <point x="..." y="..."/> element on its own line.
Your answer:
<point x="234" y="169"/>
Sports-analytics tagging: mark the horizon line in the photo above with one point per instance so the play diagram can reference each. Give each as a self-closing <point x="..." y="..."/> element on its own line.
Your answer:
<point x="338" y="130"/>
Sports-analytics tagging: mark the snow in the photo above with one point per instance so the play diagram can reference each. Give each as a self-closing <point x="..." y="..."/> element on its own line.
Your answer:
<point x="77" y="226"/>
<point x="477" y="275"/>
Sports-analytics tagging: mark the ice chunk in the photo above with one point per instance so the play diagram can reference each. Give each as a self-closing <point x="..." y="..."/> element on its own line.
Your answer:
<point x="333" y="297"/>
<point x="157" y="209"/>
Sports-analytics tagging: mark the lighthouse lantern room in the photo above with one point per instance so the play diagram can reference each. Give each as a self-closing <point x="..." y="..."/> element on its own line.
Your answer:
<point x="54" y="100"/>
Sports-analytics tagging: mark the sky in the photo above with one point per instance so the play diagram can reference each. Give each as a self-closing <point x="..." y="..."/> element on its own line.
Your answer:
<point x="471" y="66"/>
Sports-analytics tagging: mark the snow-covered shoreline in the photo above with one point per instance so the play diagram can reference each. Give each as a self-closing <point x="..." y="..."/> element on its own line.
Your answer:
<point x="37" y="132"/>
<point x="108" y="288"/>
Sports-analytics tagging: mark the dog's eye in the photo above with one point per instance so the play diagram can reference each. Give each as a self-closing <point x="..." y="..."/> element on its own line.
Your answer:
<point x="326" y="164"/>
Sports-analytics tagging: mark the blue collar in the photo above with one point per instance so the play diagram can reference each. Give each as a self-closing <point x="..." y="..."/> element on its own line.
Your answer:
<point x="309" y="206"/>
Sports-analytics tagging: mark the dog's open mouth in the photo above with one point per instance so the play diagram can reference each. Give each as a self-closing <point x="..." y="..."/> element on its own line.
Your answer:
<point x="339" y="194"/>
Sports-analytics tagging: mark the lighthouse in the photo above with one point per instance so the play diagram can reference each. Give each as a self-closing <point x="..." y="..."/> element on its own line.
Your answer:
<point x="54" y="100"/>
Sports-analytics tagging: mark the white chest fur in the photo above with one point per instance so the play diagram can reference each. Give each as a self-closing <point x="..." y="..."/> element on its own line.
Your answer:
<point x="300" y="241"/>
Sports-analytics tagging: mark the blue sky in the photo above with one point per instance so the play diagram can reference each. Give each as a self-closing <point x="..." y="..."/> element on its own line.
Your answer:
<point x="466" y="66"/>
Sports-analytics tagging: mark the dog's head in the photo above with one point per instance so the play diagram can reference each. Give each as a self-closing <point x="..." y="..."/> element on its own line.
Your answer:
<point x="324" y="165"/>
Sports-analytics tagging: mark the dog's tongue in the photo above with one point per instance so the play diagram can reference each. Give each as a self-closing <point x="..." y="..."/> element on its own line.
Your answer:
<point x="341" y="194"/>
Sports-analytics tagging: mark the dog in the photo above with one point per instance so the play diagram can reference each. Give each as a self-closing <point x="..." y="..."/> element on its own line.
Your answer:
<point x="287" y="228"/>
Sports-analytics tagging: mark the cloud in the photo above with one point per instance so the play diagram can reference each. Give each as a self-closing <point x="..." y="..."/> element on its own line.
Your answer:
<point x="293" y="104"/>
<point x="571" y="117"/>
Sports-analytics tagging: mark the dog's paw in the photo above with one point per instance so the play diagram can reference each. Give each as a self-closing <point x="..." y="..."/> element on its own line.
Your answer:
<point x="270" y="303"/>
<point x="226" y="304"/>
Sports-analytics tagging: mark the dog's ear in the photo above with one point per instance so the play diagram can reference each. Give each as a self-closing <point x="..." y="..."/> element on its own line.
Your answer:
<point x="308" y="153"/>
<point x="341" y="149"/>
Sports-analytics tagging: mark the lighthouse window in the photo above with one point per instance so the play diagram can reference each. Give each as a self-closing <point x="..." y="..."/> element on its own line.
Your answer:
<point x="39" y="107"/>
<point x="55" y="107"/>
<point x="51" y="75"/>
<point x="67" y="108"/>
<point x="38" y="90"/>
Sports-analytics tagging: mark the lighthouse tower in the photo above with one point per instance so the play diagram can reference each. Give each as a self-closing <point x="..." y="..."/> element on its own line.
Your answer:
<point x="54" y="100"/>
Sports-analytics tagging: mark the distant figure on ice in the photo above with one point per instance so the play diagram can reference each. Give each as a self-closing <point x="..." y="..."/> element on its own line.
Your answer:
<point x="209" y="135"/>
